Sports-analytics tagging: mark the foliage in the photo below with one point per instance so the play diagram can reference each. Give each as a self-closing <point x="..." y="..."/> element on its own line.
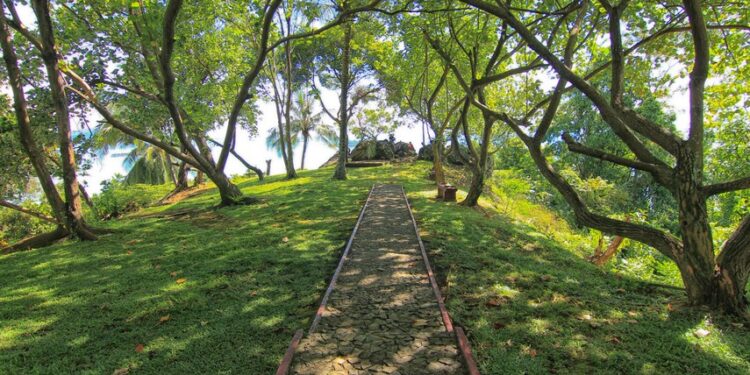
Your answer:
<point x="118" y="197"/>
<point x="15" y="226"/>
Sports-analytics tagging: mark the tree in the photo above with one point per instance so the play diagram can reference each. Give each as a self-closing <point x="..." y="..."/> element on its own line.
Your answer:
<point x="304" y="120"/>
<point x="370" y="123"/>
<point x="715" y="277"/>
<point x="434" y="99"/>
<point x="143" y="39"/>
<point x="67" y="213"/>
<point x="482" y="59"/>
<point x="343" y="61"/>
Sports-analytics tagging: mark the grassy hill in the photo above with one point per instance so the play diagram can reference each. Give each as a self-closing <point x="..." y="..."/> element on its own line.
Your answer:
<point x="189" y="288"/>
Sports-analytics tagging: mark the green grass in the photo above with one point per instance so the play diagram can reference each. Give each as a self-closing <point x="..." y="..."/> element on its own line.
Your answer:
<point x="514" y="277"/>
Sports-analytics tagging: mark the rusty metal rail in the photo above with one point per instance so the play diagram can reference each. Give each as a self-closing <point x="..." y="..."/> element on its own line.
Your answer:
<point x="461" y="340"/>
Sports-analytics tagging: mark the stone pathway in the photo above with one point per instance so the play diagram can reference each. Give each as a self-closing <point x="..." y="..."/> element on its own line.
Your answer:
<point x="382" y="317"/>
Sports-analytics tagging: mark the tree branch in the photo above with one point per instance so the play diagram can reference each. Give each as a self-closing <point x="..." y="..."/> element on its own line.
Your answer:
<point x="725" y="187"/>
<point x="29" y="212"/>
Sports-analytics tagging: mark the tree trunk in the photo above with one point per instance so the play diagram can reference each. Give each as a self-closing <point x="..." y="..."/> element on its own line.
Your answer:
<point x="479" y="170"/>
<point x="437" y="159"/>
<point x="170" y="167"/>
<point x="290" y="171"/>
<point x="182" y="177"/>
<point x="28" y="143"/>
<point x="475" y="189"/>
<point x="40" y="240"/>
<point x="304" y="151"/>
<point x="268" y="167"/>
<point x="230" y="194"/>
<point x="697" y="263"/>
<point x="74" y="220"/>
<point x="340" y="172"/>
<point x="200" y="178"/>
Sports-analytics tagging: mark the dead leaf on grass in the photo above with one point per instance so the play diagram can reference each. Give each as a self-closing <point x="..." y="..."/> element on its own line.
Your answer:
<point x="181" y="280"/>
<point x="165" y="318"/>
<point x="121" y="371"/>
<point x="139" y="348"/>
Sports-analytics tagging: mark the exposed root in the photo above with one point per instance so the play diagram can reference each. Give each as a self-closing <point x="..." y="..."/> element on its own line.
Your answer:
<point x="40" y="240"/>
<point x="241" y="201"/>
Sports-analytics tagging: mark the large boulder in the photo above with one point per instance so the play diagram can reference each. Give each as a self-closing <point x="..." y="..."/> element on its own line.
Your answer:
<point x="381" y="150"/>
<point x="404" y="150"/>
<point x="365" y="150"/>
<point x="425" y="153"/>
<point x="384" y="151"/>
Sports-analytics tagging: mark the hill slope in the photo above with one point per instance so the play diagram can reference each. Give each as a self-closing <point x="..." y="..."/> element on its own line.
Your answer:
<point x="190" y="288"/>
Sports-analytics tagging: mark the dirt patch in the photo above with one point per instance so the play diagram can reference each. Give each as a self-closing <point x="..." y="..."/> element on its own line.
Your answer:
<point x="185" y="194"/>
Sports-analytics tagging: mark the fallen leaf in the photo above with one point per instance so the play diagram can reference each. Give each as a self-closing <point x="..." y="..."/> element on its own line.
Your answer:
<point x="700" y="333"/>
<point x="121" y="371"/>
<point x="546" y="277"/>
<point x="156" y="267"/>
<point x="130" y="252"/>
<point x="173" y="274"/>
<point x="586" y="317"/>
<point x="181" y="280"/>
<point x="165" y="318"/>
<point x="499" y="325"/>
<point x="285" y="239"/>
<point x="669" y="307"/>
<point x="737" y="325"/>
<point x="615" y="340"/>
<point x="509" y="343"/>
<point x="139" y="348"/>
<point x="253" y="293"/>
<point x="133" y="242"/>
<point x="532" y="353"/>
<point x="632" y="313"/>
<point x="204" y="322"/>
<point x="620" y="290"/>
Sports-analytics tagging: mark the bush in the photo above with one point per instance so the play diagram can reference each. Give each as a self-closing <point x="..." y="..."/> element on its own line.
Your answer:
<point x="117" y="199"/>
<point x="15" y="226"/>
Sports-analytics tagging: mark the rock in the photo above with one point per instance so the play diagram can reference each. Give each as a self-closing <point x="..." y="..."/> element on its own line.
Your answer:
<point x="403" y="149"/>
<point x="384" y="150"/>
<point x="365" y="150"/>
<point x="425" y="153"/>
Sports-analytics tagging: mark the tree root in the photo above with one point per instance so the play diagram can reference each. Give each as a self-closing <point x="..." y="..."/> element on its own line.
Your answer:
<point x="40" y="240"/>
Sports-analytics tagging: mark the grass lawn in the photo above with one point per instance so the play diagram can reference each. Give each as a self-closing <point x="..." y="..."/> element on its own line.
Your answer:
<point x="188" y="288"/>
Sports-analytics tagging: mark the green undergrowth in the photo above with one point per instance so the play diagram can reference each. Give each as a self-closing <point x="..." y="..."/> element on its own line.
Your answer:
<point x="192" y="288"/>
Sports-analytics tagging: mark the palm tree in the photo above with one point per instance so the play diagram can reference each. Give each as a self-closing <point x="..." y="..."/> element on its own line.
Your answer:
<point x="304" y="121"/>
<point x="145" y="163"/>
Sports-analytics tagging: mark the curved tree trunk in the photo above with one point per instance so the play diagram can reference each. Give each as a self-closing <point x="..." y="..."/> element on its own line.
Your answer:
<point x="479" y="169"/>
<point x="28" y="143"/>
<point x="74" y="220"/>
